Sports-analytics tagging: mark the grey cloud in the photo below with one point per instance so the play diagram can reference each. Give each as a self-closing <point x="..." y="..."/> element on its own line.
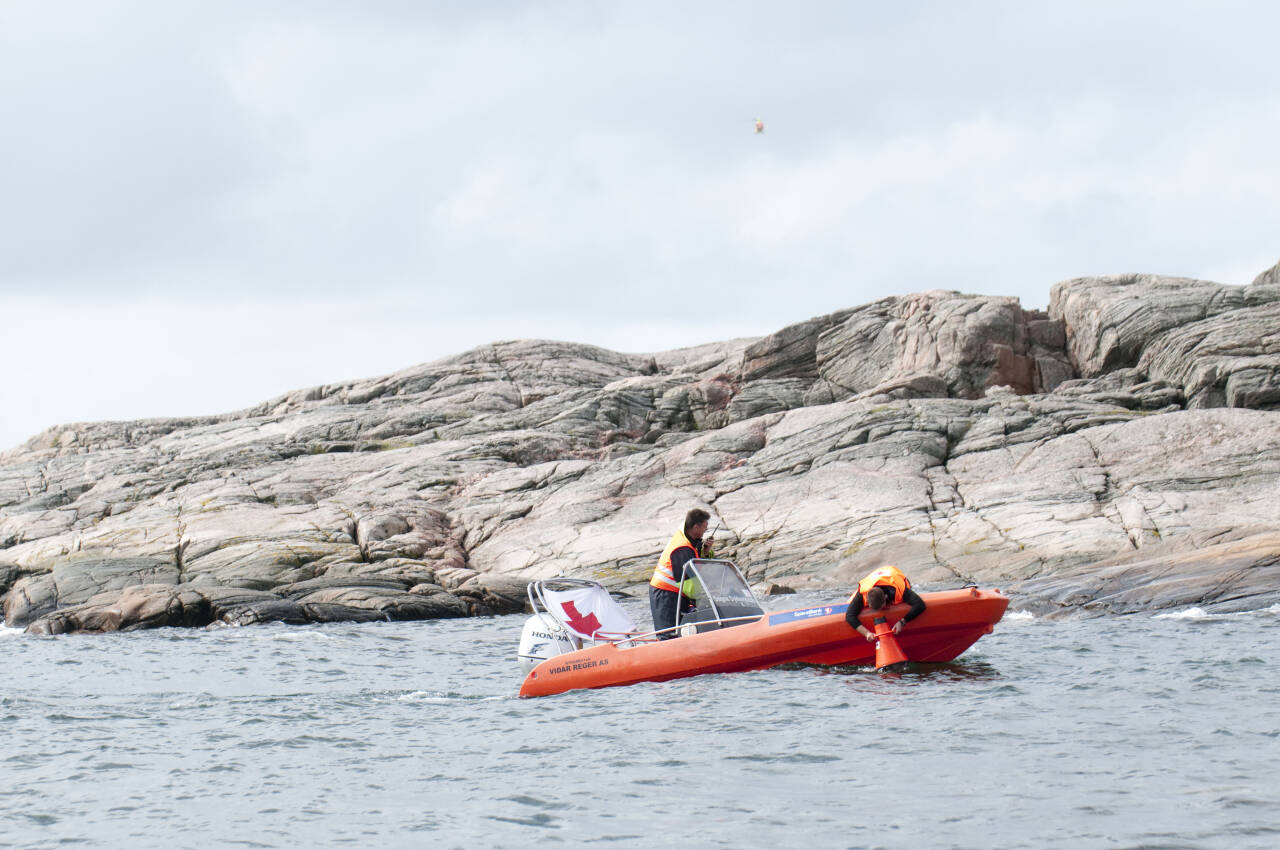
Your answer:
<point x="304" y="148"/>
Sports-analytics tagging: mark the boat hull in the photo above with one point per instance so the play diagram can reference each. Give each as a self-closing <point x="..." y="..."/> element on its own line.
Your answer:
<point x="952" y="622"/>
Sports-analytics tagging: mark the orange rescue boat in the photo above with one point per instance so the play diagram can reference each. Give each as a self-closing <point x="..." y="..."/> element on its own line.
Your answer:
<point x="579" y="637"/>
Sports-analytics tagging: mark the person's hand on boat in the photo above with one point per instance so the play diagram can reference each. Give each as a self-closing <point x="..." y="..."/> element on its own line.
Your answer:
<point x="897" y="627"/>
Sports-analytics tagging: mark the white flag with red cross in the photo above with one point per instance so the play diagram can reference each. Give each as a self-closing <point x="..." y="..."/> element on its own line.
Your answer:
<point x="589" y="613"/>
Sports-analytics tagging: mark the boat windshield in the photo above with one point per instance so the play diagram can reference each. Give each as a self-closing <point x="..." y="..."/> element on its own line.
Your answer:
<point x="721" y="594"/>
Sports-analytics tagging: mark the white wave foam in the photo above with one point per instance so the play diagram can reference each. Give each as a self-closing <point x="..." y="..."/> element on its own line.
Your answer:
<point x="1196" y="613"/>
<point x="5" y="631"/>
<point x="438" y="698"/>
<point x="301" y="636"/>
<point x="273" y="633"/>
<point x="1188" y="614"/>
<point x="1019" y="616"/>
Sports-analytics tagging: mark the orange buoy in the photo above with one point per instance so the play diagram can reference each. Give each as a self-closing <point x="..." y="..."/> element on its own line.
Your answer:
<point x="888" y="652"/>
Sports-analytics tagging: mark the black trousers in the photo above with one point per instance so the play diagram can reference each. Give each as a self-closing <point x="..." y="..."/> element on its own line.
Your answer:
<point x="663" y="606"/>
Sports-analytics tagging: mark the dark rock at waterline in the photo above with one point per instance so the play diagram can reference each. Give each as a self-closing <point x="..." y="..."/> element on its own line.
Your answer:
<point x="135" y="607"/>
<point x="494" y="594"/>
<point x="1070" y="457"/>
<point x="70" y="582"/>
<point x="9" y="573"/>
<point x="152" y="606"/>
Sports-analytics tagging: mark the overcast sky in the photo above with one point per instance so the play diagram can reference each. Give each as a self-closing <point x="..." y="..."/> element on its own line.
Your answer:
<point x="205" y="205"/>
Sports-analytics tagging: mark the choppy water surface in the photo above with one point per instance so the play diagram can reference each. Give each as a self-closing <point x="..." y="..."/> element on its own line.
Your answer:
<point x="1149" y="731"/>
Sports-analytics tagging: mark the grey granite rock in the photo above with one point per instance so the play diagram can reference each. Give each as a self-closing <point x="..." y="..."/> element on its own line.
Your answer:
<point x="961" y="437"/>
<point x="1271" y="277"/>
<point x="1235" y="575"/>
<point x="1231" y="359"/>
<point x="1112" y="320"/>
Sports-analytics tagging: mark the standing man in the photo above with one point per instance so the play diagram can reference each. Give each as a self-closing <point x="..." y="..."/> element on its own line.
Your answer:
<point x="665" y="598"/>
<point x="882" y="587"/>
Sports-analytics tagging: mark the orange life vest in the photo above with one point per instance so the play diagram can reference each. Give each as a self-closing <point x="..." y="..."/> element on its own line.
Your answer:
<point x="884" y="577"/>
<point x="663" y="575"/>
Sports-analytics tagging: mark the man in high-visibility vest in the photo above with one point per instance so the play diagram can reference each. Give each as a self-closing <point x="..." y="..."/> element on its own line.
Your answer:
<point x="665" y="597"/>
<point x="883" y="586"/>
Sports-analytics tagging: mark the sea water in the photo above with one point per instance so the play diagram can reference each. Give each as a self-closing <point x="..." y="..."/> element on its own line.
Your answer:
<point x="1139" y="731"/>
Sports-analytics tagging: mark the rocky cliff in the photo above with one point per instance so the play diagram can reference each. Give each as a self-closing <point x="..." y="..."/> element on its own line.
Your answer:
<point x="1120" y="452"/>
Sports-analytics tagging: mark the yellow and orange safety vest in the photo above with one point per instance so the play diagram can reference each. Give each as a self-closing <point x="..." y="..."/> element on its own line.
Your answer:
<point x="663" y="574"/>
<point x="884" y="577"/>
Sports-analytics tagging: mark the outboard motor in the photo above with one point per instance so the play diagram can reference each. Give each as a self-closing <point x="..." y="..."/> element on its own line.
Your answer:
<point x="541" y="639"/>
